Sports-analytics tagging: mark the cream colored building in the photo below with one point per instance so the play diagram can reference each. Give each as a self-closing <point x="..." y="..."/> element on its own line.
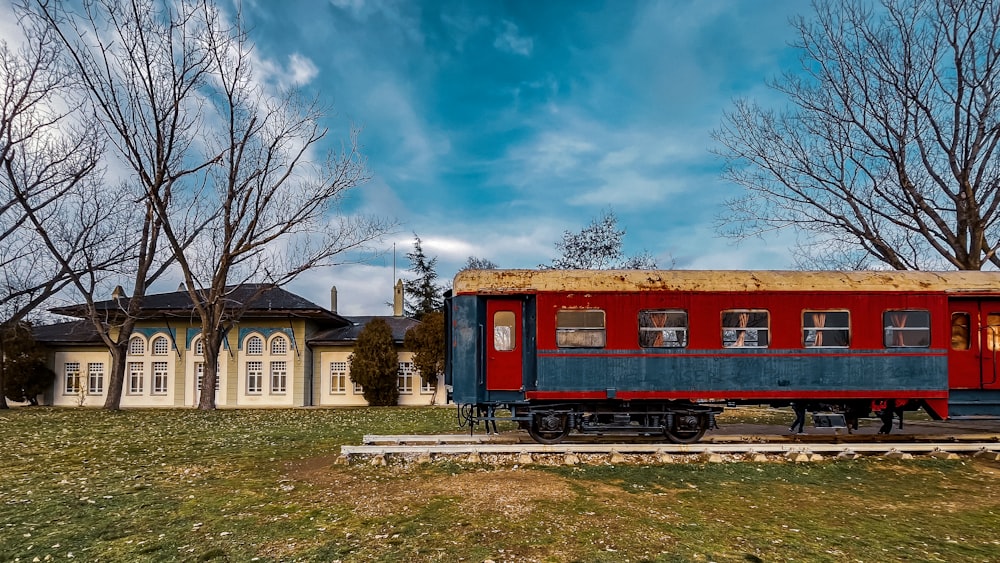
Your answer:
<point x="285" y="351"/>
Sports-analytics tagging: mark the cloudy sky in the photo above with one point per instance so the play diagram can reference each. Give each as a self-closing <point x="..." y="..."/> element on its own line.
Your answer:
<point x="493" y="127"/>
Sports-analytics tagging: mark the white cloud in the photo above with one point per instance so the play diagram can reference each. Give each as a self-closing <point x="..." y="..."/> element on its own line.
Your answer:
<point x="301" y="69"/>
<point x="362" y="289"/>
<point x="510" y="40"/>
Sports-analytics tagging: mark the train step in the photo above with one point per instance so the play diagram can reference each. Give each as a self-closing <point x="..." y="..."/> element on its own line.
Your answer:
<point x="974" y="402"/>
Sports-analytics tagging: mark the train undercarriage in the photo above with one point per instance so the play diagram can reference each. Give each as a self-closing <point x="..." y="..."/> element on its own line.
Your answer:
<point x="679" y="422"/>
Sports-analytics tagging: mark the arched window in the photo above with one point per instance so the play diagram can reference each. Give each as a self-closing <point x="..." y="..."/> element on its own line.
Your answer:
<point x="279" y="346"/>
<point x="199" y="347"/>
<point x="161" y="347"/>
<point x="255" y="346"/>
<point x="136" y="346"/>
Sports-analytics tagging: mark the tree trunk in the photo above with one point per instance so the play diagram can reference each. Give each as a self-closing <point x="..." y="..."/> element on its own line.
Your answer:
<point x="211" y="341"/>
<point x="116" y="377"/>
<point x="3" y="379"/>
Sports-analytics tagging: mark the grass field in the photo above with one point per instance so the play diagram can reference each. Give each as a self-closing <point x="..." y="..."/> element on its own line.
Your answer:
<point x="262" y="485"/>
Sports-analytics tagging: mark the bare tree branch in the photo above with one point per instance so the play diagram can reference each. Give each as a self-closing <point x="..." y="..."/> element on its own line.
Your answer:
<point x="889" y="145"/>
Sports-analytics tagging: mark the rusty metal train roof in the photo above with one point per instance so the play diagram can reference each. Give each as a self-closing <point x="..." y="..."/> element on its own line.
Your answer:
<point x="537" y="281"/>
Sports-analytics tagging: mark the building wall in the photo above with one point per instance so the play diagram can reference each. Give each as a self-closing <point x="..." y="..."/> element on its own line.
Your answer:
<point x="81" y="357"/>
<point x="158" y="363"/>
<point x="162" y="369"/>
<point x="334" y="387"/>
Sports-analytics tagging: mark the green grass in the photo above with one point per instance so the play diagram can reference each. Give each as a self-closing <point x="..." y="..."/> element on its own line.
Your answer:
<point x="182" y="485"/>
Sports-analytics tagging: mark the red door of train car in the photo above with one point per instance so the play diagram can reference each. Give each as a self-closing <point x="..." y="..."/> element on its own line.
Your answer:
<point x="975" y="344"/>
<point x="504" y="357"/>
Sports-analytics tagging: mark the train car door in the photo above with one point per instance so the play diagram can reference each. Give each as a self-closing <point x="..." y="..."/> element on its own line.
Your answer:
<point x="974" y="351"/>
<point x="504" y="344"/>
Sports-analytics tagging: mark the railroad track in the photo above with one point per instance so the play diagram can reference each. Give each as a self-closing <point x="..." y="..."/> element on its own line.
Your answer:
<point x="508" y="448"/>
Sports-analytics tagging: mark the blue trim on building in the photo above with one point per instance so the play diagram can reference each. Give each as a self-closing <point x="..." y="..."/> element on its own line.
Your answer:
<point x="193" y="333"/>
<point x="149" y="332"/>
<point x="266" y="333"/>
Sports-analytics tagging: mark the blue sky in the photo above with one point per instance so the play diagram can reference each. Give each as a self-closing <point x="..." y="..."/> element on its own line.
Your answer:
<point x="493" y="127"/>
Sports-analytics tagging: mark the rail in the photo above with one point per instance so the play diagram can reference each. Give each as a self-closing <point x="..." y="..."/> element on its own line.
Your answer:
<point x="425" y="448"/>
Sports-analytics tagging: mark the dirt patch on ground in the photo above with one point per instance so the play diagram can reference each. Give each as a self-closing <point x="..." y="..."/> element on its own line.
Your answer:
<point x="380" y="491"/>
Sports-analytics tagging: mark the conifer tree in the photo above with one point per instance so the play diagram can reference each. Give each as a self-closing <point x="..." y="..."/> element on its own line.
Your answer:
<point x="422" y="294"/>
<point x="375" y="364"/>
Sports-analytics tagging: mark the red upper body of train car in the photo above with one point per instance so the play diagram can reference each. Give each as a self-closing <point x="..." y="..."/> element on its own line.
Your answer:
<point x="651" y="351"/>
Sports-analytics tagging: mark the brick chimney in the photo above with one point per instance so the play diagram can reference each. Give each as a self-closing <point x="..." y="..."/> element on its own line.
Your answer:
<point x="333" y="299"/>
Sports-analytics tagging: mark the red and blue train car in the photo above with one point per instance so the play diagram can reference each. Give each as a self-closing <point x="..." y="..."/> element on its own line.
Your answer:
<point x="661" y="352"/>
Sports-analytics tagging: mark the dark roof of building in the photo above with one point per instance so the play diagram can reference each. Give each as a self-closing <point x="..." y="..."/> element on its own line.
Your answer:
<point x="72" y="332"/>
<point x="349" y="334"/>
<point x="262" y="300"/>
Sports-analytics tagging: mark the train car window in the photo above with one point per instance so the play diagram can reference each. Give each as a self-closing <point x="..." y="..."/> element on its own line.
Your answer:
<point x="826" y="329"/>
<point x="663" y="328"/>
<point x="503" y="331"/>
<point x="960" y="331"/>
<point x="907" y="329"/>
<point x="745" y="328"/>
<point x="993" y="331"/>
<point x="580" y="328"/>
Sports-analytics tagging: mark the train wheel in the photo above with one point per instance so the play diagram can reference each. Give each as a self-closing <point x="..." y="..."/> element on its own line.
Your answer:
<point x="686" y="430"/>
<point x="548" y="428"/>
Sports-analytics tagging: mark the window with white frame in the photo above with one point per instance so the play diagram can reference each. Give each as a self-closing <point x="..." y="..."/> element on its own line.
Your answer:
<point x="161" y="346"/>
<point x="279" y="346"/>
<point x="255" y="346"/>
<point x="255" y="377"/>
<point x="199" y="370"/>
<point x="426" y="386"/>
<point x="199" y="347"/>
<point x="160" y="378"/>
<point x="95" y="378"/>
<point x="136" y="377"/>
<point x="405" y="375"/>
<point x="136" y="346"/>
<point x="279" y="377"/>
<point x="358" y="389"/>
<point x="71" y="373"/>
<point x="338" y="378"/>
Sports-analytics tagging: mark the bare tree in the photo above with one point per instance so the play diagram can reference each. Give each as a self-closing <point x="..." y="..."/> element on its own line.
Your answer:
<point x="273" y="213"/>
<point x="141" y="64"/>
<point x="477" y="263"/>
<point x="888" y="150"/>
<point x="47" y="156"/>
<point x="598" y="247"/>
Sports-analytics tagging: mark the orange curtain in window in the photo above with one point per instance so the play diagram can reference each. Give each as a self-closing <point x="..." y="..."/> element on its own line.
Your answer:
<point x="898" y="321"/>
<point x="659" y="320"/>
<point x="819" y="321"/>
<point x="741" y="337"/>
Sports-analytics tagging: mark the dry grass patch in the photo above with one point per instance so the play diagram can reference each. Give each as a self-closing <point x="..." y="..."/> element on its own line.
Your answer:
<point x="377" y="492"/>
